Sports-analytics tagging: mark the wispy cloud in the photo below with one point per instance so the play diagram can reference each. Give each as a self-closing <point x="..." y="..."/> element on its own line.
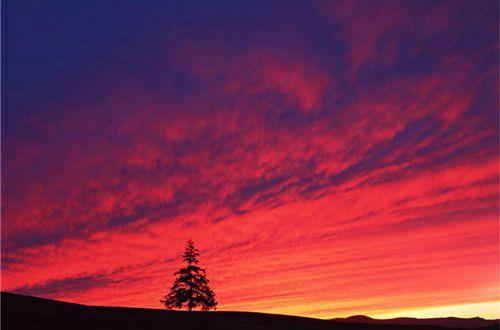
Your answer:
<point x="351" y="148"/>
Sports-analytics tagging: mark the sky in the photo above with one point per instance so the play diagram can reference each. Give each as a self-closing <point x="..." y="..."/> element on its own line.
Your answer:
<point x="328" y="158"/>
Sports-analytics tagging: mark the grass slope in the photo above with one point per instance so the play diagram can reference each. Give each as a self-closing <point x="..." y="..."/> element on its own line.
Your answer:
<point x="25" y="312"/>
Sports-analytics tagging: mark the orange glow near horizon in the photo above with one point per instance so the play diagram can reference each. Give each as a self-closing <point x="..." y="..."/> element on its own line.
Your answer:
<point x="489" y="310"/>
<point x="328" y="160"/>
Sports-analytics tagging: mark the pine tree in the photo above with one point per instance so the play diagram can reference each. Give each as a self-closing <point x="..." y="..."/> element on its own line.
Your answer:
<point x="190" y="288"/>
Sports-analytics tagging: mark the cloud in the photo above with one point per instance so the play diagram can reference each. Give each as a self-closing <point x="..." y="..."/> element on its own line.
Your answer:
<point x="349" y="146"/>
<point x="71" y="285"/>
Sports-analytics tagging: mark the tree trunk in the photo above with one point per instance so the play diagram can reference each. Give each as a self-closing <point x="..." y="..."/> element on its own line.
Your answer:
<point x="190" y="302"/>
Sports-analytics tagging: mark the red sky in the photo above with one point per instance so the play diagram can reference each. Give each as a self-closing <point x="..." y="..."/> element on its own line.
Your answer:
<point x="327" y="158"/>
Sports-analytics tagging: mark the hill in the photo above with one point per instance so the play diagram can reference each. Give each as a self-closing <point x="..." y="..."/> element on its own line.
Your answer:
<point x="448" y="322"/>
<point x="25" y="312"/>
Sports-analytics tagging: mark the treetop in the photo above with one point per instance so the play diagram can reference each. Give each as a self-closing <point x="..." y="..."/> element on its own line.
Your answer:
<point x="191" y="253"/>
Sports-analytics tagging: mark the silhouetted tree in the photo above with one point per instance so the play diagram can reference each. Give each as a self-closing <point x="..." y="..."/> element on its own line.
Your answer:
<point x="190" y="288"/>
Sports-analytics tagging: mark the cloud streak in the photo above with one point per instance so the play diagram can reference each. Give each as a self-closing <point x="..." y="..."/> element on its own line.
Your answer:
<point x="354" y="154"/>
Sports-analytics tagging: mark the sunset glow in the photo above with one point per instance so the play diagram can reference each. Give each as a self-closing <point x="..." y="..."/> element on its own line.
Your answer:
<point x="327" y="158"/>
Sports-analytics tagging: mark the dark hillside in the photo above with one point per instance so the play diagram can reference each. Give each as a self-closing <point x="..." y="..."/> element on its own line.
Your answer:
<point x="24" y="312"/>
